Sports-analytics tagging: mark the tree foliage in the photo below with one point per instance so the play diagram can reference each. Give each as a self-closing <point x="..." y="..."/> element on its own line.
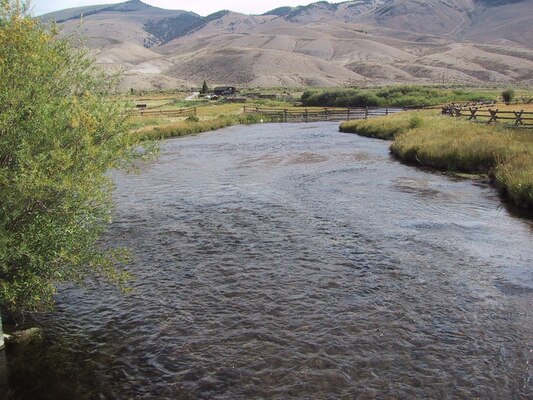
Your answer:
<point x="205" y="88"/>
<point x="59" y="136"/>
<point x="508" y="95"/>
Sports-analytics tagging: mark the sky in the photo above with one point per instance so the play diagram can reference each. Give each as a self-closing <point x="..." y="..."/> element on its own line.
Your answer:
<point x="202" y="7"/>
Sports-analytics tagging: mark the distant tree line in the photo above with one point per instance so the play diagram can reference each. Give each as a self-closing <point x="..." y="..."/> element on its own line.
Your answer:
<point x="395" y="96"/>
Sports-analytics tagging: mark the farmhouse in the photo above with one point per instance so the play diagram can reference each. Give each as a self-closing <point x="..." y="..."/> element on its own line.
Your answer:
<point x="225" y="91"/>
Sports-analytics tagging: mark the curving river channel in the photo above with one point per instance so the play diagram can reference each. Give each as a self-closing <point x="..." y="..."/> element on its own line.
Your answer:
<point x="293" y="261"/>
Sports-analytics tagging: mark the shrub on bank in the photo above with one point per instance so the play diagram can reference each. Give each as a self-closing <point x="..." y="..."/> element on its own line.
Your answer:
<point x="508" y="95"/>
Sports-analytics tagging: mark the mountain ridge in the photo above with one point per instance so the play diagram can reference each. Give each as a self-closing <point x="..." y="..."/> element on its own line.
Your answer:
<point x="319" y="44"/>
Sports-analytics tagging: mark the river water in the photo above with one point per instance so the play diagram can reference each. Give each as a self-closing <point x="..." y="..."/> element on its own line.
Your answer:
<point x="293" y="261"/>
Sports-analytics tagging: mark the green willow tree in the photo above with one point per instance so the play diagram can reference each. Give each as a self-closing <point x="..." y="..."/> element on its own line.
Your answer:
<point x="60" y="133"/>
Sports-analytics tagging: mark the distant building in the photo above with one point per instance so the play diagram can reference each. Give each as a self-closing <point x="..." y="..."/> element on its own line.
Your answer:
<point x="225" y="91"/>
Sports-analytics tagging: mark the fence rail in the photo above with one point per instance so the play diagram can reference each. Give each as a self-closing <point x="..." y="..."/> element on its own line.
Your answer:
<point x="514" y="119"/>
<point x="324" y="114"/>
<point x="182" y="112"/>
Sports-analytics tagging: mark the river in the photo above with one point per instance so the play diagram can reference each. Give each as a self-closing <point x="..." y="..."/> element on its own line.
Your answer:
<point x="286" y="261"/>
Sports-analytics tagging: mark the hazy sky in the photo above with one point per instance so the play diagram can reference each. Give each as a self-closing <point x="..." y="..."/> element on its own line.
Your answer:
<point x="202" y="7"/>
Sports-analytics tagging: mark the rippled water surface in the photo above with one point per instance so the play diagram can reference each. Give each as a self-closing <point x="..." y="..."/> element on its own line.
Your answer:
<point x="292" y="261"/>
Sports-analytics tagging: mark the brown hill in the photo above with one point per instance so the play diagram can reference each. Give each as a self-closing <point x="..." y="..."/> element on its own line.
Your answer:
<point x="322" y="44"/>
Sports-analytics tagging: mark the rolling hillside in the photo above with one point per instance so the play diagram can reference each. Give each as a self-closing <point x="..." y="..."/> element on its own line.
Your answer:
<point x="477" y="42"/>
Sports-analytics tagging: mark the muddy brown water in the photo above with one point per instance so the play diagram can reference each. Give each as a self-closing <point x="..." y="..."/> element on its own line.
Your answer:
<point x="293" y="261"/>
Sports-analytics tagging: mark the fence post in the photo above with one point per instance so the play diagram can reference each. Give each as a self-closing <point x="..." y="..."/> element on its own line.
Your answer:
<point x="326" y="111"/>
<point x="285" y="115"/>
<point x="306" y="115"/>
<point x="386" y="110"/>
<point x="493" y="116"/>
<point x="518" y="117"/>
<point x="348" y="117"/>
<point x="366" y="112"/>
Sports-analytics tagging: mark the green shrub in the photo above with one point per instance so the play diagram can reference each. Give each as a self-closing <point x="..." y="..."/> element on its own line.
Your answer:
<point x="59" y="137"/>
<point x="394" y="96"/>
<point x="508" y="95"/>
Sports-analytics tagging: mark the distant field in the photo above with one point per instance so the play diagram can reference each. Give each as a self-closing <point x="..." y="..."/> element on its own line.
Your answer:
<point x="210" y="110"/>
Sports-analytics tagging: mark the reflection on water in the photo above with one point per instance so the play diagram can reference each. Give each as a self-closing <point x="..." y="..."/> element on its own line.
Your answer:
<point x="291" y="261"/>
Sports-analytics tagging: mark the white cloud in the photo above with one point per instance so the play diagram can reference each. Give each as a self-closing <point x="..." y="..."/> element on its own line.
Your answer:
<point x="202" y="7"/>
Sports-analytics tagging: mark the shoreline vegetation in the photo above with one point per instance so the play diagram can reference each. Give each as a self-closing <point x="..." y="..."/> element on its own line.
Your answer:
<point x="447" y="144"/>
<point x="193" y="126"/>
<point x="393" y="96"/>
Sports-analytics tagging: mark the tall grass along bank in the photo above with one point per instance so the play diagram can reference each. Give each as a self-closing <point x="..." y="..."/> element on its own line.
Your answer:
<point x="193" y="126"/>
<point x="444" y="143"/>
<point x="383" y="128"/>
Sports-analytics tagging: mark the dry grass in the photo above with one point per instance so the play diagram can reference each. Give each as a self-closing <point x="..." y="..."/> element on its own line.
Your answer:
<point x="513" y="107"/>
<point x="190" y="127"/>
<point x="384" y="128"/>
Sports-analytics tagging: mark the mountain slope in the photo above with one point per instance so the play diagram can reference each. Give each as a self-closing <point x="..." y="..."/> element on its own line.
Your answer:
<point x="322" y="44"/>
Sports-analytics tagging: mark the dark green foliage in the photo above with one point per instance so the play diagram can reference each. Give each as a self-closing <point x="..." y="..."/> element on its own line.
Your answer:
<point x="205" y="88"/>
<point x="173" y="27"/>
<point x="395" y="96"/>
<point x="280" y="11"/>
<point x="508" y="95"/>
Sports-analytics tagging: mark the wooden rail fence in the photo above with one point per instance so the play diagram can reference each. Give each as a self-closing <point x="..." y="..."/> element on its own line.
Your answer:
<point x="324" y="114"/>
<point x="182" y="112"/>
<point x="514" y="119"/>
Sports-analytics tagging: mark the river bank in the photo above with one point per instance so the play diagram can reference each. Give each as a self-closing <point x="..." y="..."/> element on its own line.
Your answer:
<point x="455" y="145"/>
<point x="193" y="126"/>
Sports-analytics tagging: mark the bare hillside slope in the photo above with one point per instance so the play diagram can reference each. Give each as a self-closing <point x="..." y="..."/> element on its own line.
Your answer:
<point x="322" y="44"/>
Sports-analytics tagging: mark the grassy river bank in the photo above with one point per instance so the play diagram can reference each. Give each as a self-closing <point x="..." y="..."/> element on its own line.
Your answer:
<point x="449" y="144"/>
